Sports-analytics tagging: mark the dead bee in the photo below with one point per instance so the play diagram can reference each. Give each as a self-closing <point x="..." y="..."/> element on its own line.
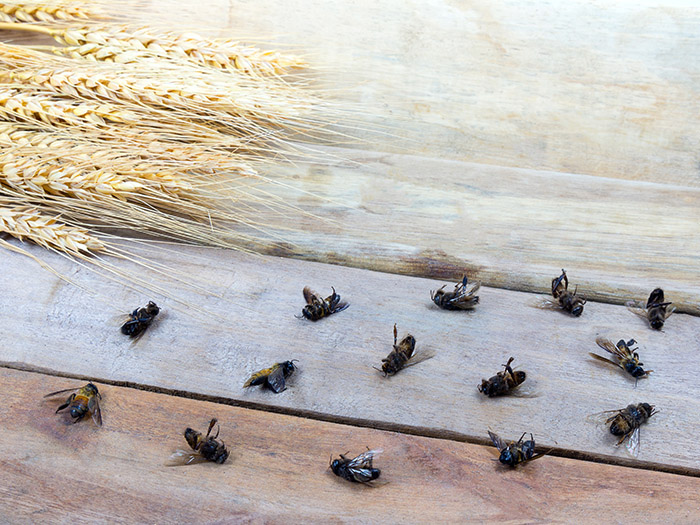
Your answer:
<point x="80" y="402"/>
<point x="400" y="355"/>
<point x="317" y="307"/>
<point x="205" y="448"/>
<point x="462" y="298"/>
<point x="516" y="453"/>
<point x="625" y="423"/>
<point x="273" y="377"/>
<point x="503" y="382"/>
<point x="627" y="358"/>
<point x="358" y="469"/>
<point x="564" y="299"/>
<point x="140" y="319"/>
<point x="656" y="310"/>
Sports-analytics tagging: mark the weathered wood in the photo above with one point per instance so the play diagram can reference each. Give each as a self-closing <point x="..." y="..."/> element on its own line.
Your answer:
<point x="584" y="88"/>
<point x="54" y="471"/>
<point x="64" y="330"/>
<point x="511" y="228"/>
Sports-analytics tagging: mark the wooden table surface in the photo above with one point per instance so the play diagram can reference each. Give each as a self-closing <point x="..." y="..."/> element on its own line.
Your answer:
<point x="521" y="137"/>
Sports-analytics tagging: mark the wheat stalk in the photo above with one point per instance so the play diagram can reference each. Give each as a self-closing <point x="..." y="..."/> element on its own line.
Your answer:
<point x="47" y="11"/>
<point x="25" y="222"/>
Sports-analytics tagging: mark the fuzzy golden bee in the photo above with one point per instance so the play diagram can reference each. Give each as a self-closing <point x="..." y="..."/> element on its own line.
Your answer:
<point x="82" y="401"/>
<point x="316" y="307"/>
<point x="503" y="382"/>
<point x="275" y="377"/>
<point x="563" y="299"/>
<point x="204" y="448"/>
<point x="358" y="469"/>
<point x="656" y="310"/>
<point x="627" y="357"/>
<point x="401" y="356"/>
<point x="140" y="319"/>
<point x="625" y="424"/>
<point x="463" y="297"/>
<point x="516" y="453"/>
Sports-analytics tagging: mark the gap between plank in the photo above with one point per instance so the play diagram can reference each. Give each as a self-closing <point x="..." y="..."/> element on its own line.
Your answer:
<point x="444" y="434"/>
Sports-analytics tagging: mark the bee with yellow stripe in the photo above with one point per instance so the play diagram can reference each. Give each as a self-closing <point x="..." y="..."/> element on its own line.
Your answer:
<point x="80" y="402"/>
<point x="274" y="377"/>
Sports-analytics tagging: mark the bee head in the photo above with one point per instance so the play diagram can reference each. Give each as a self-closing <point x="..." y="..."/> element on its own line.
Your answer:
<point x="92" y="389"/>
<point x="657" y="324"/>
<point x="152" y="308"/>
<point x="647" y="409"/>
<point x="507" y="457"/>
<point x="289" y="366"/>
<point x="519" y="376"/>
<point x="437" y="296"/>
<point x="577" y="310"/>
<point x="335" y="465"/>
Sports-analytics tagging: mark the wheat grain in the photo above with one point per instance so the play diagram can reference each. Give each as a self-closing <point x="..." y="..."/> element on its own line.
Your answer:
<point x="25" y="222"/>
<point x="48" y="11"/>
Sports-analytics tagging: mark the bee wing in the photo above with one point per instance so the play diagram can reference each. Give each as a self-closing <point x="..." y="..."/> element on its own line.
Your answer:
<point x="94" y="407"/>
<point x="342" y="305"/>
<point x="419" y="358"/>
<point x="497" y="441"/>
<point x="607" y="345"/>
<point x="184" y="457"/>
<point x="632" y="442"/>
<point x="601" y="358"/>
<point x="62" y="391"/>
<point x="310" y="296"/>
<point x="276" y="380"/>
<point x="546" y="303"/>
<point x="602" y="418"/>
<point x="669" y="311"/>
<point x="364" y="460"/>
<point x="637" y="308"/>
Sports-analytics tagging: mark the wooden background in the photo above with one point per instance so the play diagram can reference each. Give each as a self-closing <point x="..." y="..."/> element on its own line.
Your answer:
<point x="522" y="137"/>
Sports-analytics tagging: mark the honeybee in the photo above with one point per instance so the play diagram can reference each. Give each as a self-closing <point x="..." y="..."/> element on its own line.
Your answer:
<point x="625" y="423"/>
<point x="462" y="298"/>
<point x="564" y="299"/>
<point x="358" y="469"/>
<point x="656" y="310"/>
<point x="205" y="448"/>
<point x="503" y="382"/>
<point x="627" y="358"/>
<point x="273" y="377"/>
<point x="516" y="453"/>
<point x="82" y="400"/>
<point x="317" y="307"/>
<point x="400" y="355"/>
<point x="140" y="319"/>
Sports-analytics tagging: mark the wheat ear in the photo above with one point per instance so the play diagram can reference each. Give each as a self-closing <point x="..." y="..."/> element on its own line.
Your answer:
<point x="47" y="11"/>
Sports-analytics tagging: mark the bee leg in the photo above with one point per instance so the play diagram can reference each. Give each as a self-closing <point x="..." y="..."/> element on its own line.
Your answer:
<point x="64" y="405"/>
<point x="521" y="438"/>
<point x="395" y="334"/>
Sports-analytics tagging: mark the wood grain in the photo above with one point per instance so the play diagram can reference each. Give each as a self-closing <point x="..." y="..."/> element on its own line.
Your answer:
<point x="588" y="88"/>
<point x="64" y="330"/>
<point x="277" y="470"/>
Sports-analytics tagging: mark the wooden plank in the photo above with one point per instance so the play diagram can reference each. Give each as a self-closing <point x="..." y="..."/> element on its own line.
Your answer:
<point x="59" y="327"/>
<point x="509" y="227"/>
<point x="55" y="471"/>
<point x="604" y="90"/>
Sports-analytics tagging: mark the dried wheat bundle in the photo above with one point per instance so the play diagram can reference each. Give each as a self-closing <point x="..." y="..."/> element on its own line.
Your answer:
<point x="49" y="11"/>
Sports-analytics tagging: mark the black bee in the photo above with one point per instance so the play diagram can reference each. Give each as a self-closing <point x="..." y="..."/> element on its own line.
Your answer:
<point x="503" y="382"/>
<point x="358" y="469"/>
<point x="205" y="448"/>
<point x="563" y="298"/>
<point x="140" y="319"/>
<point x="516" y="453"/>
<point x="627" y="358"/>
<point x="81" y="401"/>
<point x="625" y="423"/>
<point x="273" y="377"/>
<point x="462" y="298"/>
<point x="656" y="310"/>
<point x="317" y="307"/>
<point x="400" y="355"/>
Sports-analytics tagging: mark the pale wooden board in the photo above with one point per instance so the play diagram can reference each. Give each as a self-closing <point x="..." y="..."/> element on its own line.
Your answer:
<point x="581" y="87"/>
<point x="50" y="324"/>
<point x="54" y="471"/>
<point x="510" y="227"/>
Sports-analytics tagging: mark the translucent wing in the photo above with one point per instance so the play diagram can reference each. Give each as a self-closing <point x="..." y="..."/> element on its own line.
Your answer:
<point x="608" y="346"/>
<point x="601" y="358"/>
<point x="669" y="311"/>
<point x="64" y="391"/>
<point x="602" y="418"/>
<point x="276" y="380"/>
<point x="547" y="303"/>
<point x="342" y="305"/>
<point x="497" y="441"/>
<point x="420" y="357"/>
<point x="632" y="442"/>
<point x="184" y="457"/>
<point x="310" y="296"/>
<point x="94" y="407"/>
<point x="364" y="460"/>
<point x="637" y="308"/>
